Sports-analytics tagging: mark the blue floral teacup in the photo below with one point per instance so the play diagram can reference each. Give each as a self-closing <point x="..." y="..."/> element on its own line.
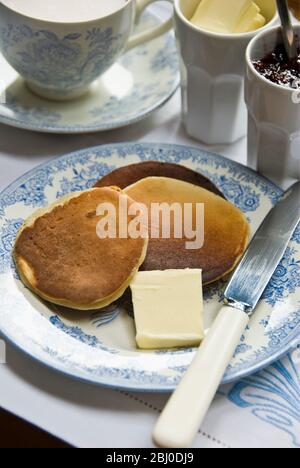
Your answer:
<point x="60" y="60"/>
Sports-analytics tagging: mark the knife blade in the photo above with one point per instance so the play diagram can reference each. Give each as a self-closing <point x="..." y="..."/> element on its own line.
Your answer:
<point x="265" y="252"/>
<point x="187" y="407"/>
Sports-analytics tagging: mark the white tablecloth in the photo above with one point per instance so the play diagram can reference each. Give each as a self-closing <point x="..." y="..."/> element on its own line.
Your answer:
<point x="263" y="411"/>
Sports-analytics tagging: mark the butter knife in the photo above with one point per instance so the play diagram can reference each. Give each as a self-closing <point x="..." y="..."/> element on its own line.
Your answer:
<point x="187" y="407"/>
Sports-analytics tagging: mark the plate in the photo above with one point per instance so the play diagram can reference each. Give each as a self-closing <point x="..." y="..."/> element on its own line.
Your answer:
<point x="139" y="83"/>
<point x="99" y="347"/>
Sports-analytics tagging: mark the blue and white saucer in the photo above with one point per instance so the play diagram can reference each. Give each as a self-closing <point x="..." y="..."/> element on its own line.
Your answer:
<point x="99" y="347"/>
<point x="139" y="83"/>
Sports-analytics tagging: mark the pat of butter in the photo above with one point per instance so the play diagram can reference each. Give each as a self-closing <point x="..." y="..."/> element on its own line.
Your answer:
<point x="168" y="308"/>
<point x="228" y="16"/>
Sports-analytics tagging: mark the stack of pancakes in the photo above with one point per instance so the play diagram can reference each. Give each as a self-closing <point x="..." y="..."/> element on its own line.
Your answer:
<point x="60" y="257"/>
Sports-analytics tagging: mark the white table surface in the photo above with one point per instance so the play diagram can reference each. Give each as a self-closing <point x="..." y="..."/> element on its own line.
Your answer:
<point x="89" y="416"/>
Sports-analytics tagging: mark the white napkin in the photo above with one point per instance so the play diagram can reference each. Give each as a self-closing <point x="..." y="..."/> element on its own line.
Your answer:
<point x="261" y="411"/>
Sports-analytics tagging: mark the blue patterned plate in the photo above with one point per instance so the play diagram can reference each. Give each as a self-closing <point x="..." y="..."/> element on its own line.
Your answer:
<point x="99" y="347"/>
<point x="139" y="83"/>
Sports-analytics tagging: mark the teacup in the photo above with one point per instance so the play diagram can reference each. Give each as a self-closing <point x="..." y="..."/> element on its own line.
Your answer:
<point x="274" y="116"/>
<point x="213" y="72"/>
<point x="59" y="60"/>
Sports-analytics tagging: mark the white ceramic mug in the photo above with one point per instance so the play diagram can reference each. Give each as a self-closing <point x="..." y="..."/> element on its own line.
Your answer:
<point x="59" y="60"/>
<point x="274" y="116"/>
<point x="213" y="71"/>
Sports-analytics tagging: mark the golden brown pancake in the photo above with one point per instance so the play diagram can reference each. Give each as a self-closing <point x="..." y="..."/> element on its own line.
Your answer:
<point x="60" y="257"/>
<point x="226" y="229"/>
<point x="128" y="175"/>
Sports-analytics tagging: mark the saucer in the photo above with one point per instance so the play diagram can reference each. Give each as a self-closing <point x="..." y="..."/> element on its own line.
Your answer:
<point x="140" y="82"/>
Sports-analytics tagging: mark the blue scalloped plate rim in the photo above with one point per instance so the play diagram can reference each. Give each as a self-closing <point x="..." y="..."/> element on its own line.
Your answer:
<point x="290" y="344"/>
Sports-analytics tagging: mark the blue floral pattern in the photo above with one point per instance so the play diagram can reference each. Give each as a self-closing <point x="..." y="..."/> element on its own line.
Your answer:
<point x="265" y="321"/>
<point x="273" y="396"/>
<point x="242" y="196"/>
<point x="276" y="337"/>
<point x="31" y="192"/>
<point x="236" y="177"/>
<point x="241" y="349"/>
<point x="33" y="114"/>
<point x="166" y="58"/>
<point x="105" y="315"/>
<point x="296" y="236"/>
<point x="78" y="334"/>
<point x="280" y="333"/>
<point x="7" y="239"/>
<point x="131" y="378"/>
<point x="139" y="97"/>
<point x="285" y="280"/>
<point x="215" y="291"/>
<point x="83" y="179"/>
<point x="60" y="63"/>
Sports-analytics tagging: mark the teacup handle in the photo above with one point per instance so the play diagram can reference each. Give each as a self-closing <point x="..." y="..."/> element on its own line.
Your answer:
<point x="151" y="33"/>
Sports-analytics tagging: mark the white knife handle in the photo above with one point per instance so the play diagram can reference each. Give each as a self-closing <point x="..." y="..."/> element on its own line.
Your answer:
<point x="182" y="417"/>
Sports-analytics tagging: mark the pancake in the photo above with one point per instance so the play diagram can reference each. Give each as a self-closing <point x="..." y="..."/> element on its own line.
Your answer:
<point x="128" y="175"/>
<point x="226" y="230"/>
<point x="60" y="257"/>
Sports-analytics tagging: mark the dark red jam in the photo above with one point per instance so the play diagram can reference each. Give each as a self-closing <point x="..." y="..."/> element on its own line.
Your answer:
<point x="279" y="69"/>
